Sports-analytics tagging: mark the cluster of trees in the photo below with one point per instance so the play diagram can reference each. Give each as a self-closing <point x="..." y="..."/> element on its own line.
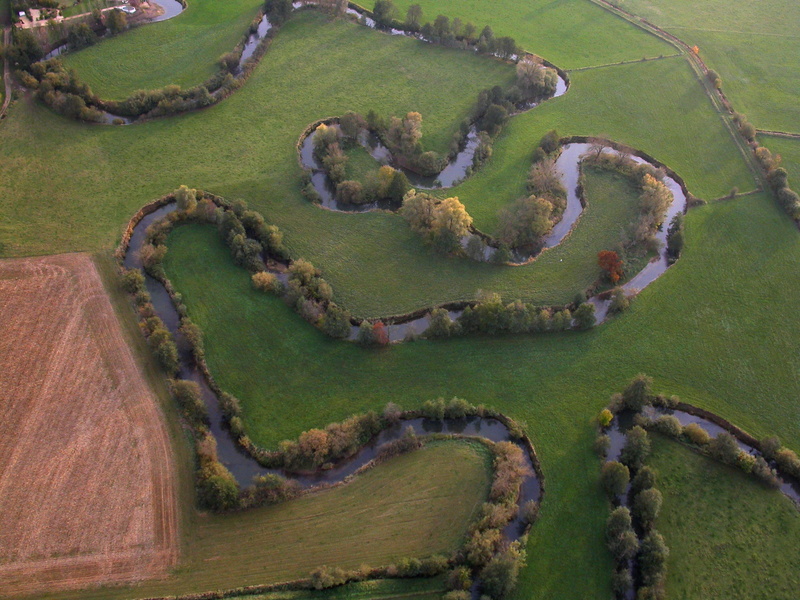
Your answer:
<point x="61" y="90"/>
<point x="723" y="448"/>
<point x="498" y="566"/>
<point x="777" y="176"/>
<point x="653" y="204"/>
<point x="330" y="145"/>
<point x="317" y="447"/>
<point x="372" y="334"/>
<point x="526" y="221"/>
<point x="328" y="151"/>
<point x="529" y="219"/>
<point x="216" y="487"/>
<point x="326" y="577"/>
<point x="441" y="222"/>
<point x="278" y="11"/>
<point x="402" y="136"/>
<point x="491" y="315"/>
<point x="611" y="265"/>
<point x="623" y="544"/>
<point x="534" y="80"/>
<point x="648" y="548"/>
<point x="675" y="239"/>
<point x="447" y="32"/>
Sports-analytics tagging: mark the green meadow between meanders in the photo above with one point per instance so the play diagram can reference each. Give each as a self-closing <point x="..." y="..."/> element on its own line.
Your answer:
<point x="690" y="330"/>
<point x="180" y="51"/>
<point x="728" y="535"/>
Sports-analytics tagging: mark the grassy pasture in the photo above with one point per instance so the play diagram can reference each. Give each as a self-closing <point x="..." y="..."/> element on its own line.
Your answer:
<point x="628" y="104"/>
<point x="752" y="45"/>
<point x="181" y="51"/>
<point x="69" y="186"/>
<point x="729" y="536"/>
<point x="570" y="33"/>
<point x="413" y="505"/>
<point x="789" y="149"/>
<point x="689" y="330"/>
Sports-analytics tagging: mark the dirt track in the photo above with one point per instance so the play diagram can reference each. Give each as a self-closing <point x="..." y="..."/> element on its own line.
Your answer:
<point x="87" y="482"/>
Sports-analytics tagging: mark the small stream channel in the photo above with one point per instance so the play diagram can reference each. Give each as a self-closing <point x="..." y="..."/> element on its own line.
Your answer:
<point x="243" y="467"/>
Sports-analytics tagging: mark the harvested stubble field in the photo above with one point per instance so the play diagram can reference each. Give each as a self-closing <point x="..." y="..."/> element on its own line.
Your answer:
<point x="87" y="481"/>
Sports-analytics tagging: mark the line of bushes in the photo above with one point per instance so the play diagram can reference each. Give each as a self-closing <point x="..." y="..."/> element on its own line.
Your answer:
<point x="635" y="545"/>
<point x="654" y="200"/>
<point x="490" y="315"/>
<point x="777" y="176"/>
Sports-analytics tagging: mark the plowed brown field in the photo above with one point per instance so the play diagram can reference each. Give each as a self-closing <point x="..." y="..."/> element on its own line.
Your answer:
<point x="87" y="478"/>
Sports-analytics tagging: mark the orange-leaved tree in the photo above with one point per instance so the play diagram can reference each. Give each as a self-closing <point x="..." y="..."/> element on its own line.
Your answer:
<point x="611" y="263"/>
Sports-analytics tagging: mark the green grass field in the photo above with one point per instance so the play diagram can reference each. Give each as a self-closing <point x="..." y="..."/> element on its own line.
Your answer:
<point x="417" y="504"/>
<point x="181" y="51"/>
<point x="570" y="33"/>
<point x="789" y="149"/>
<point x="690" y="331"/>
<point x="752" y="45"/>
<point x="68" y="186"/>
<point x="70" y="9"/>
<point x="728" y="535"/>
<point x="627" y="104"/>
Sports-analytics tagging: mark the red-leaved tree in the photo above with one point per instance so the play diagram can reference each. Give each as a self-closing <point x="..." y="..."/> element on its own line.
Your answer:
<point x="380" y="333"/>
<point x="611" y="263"/>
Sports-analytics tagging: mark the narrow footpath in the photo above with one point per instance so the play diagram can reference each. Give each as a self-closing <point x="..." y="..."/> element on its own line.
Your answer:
<point x="783" y="134"/>
<point x="6" y="74"/>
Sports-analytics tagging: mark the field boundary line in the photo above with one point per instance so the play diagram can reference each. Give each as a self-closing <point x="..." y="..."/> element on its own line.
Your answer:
<point x="781" y="134"/>
<point x="625" y="62"/>
<point x="718" y="99"/>
<point x="6" y="74"/>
